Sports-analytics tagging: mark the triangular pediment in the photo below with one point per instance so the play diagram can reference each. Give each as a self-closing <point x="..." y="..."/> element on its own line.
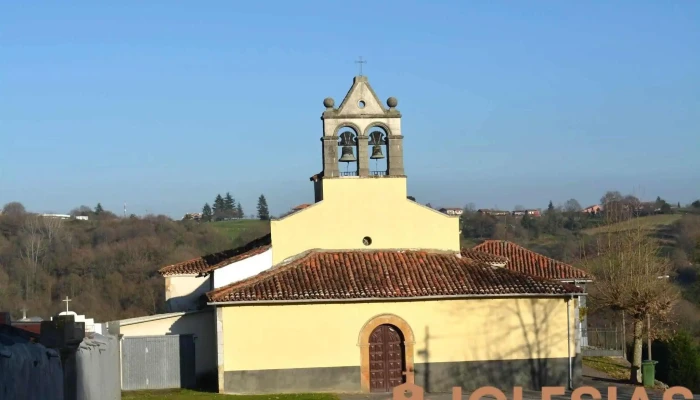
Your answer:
<point x="361" y="100"/>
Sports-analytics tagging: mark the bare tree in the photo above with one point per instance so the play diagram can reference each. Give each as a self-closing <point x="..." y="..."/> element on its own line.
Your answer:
<point x="627" y="267"/>
<point x="572" y="206"/>
<point x="52" y="228"/>
<point x="610" y="196"/>
<point x="33" y="247"/>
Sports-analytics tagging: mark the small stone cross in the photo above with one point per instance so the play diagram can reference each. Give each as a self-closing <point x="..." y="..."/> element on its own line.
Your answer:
<point x="67" y="300"/>
<point x="360" y="62"/>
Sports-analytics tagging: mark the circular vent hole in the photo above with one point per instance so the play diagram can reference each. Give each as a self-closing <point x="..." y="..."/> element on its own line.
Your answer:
<point x="361" y="104"/>
<point x="367" y="240"/>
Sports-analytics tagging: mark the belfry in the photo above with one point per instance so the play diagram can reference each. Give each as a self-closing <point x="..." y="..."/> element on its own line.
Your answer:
<point x="364" y="130"/>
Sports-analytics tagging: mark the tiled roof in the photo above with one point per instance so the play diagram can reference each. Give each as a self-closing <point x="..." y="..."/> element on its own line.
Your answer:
<point x="386" y="274"/>
<point x="214" y="261"/>
<point x="484" y="257"/>
<point x="527" y="261"/>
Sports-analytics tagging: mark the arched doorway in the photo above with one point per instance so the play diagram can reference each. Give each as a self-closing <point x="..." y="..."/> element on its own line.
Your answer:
<point x="387" y="358"/>
<point x="405" y="332"/>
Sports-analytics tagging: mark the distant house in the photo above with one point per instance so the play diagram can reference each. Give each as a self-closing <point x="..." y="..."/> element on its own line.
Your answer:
<point x="195" y="216"/>
<point x="300" y="207"/>
<point x="594" y="209"/>
<point x="295" y="209"/>
<point x="522" y="213"/>
<point x="65" y="216"/>
<point x="451" y="210"/>
<point x="59" y="216"/>
<point x="492" y="212"/>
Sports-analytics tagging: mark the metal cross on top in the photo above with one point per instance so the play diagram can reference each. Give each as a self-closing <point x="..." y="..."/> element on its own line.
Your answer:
<point x="67" y="300"/>
<point x="360" y="62"/>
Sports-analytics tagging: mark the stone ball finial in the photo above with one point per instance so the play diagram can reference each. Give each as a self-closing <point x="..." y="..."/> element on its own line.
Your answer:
<point x="392" y="102"/>
<point x="328" y="102"/>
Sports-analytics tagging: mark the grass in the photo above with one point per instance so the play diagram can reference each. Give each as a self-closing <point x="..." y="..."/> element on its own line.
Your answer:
<point x="235" y="228"/>
<point x="181" y="394"/>
<point x="608" y="365"/>
<point x="652" y="222"/>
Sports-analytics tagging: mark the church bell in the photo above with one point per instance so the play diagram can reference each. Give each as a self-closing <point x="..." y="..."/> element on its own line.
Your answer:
<point x="348" y="155"/>
<point x="376" y="152"/>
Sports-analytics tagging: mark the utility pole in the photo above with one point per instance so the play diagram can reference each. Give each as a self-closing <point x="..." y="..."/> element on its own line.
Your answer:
<point x="648" y="336"/>
<point x="624" y="337"/>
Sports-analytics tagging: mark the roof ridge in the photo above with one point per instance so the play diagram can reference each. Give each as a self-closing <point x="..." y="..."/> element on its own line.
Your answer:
<point x="368" y="276"/>
<point x="539" y="254"/>
<point x="179" y="263"/>
<point x="517" y="246"/>
<point x="212" y="260"/>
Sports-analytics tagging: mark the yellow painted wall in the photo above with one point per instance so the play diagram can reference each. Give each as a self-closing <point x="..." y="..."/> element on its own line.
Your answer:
<point x="326" y="335"/>
<point x="353" y="208"/>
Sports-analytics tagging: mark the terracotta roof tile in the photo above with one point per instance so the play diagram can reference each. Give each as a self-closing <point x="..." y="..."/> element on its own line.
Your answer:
<point x="347" y="275"/>
<point x="214" y="261"/>
<point x="484" y="257"/>
<point x="527" y="261"/>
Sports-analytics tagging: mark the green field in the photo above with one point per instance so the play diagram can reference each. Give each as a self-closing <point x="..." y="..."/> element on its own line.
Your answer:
<point x="652" y="222"/>
<point x="235" y="228"/>
<point x="191" y="395"/>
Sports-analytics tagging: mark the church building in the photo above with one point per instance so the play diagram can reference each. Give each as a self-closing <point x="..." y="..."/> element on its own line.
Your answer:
<point x="366" y="289"/>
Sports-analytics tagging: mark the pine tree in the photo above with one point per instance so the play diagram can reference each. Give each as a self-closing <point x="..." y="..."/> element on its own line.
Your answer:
<point x="98" y="209"/>
<point x="239" y="210"/>
<point x="218" y="204"/>
<point x="263" y="212"/>
<point x="229" y="203"/>
<point x="206" y="212"/>
<point x="552" y="223"/>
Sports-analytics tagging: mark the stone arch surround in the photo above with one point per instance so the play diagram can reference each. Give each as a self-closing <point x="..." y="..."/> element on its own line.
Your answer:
<point x="363" y="343"/>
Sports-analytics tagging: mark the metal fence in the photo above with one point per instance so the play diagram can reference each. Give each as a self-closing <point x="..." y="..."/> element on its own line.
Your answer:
<point x="158" y="362"/>
<point x="28" y="371"/>
<point x="604" y="342"/>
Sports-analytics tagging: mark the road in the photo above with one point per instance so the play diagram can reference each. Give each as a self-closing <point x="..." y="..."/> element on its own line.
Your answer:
<point x="591" y="377"/>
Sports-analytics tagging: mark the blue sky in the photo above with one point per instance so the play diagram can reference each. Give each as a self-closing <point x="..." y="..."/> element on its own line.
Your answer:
<point x="164" y="104"/>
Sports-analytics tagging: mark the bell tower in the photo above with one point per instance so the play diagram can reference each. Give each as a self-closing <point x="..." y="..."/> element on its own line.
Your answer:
<point x="361" y="129"/>
<point x="363" y="177"/>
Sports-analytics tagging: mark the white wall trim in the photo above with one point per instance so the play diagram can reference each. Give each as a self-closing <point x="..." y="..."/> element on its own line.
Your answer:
<point x="242" y="269"/>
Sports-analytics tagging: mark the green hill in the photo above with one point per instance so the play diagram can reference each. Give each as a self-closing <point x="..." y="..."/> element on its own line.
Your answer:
<point x="651" y="223"/>
<point x="240" y="231"/>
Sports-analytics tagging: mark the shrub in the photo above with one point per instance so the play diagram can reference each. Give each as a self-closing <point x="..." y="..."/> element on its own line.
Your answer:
<point x="678" y="360"/>
<point x="683" y="362"/>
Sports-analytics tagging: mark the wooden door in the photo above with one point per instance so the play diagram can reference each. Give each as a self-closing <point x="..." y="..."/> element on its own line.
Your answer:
<point x="386" y="358"/>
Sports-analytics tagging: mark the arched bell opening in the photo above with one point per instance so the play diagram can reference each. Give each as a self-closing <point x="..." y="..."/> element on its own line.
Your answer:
<point x="377" y="148"/>
<point x="347" y="162"/>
